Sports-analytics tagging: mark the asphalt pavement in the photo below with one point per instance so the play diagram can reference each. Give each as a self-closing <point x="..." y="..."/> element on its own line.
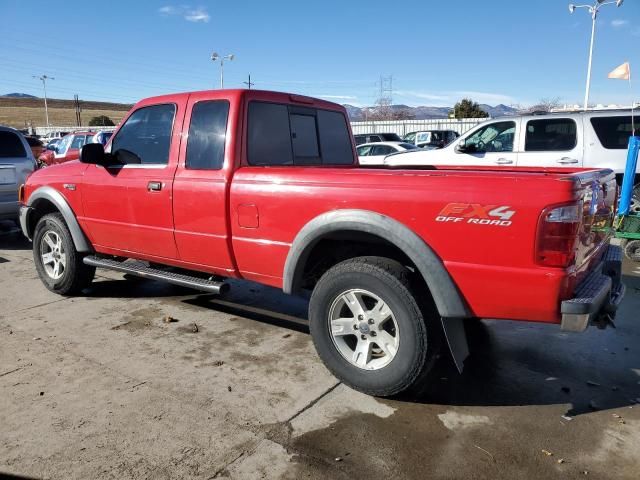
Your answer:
<point x="138" y="379"/>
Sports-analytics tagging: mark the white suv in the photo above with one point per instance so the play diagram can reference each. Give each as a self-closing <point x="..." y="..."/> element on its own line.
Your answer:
<point x="566" y="139"/>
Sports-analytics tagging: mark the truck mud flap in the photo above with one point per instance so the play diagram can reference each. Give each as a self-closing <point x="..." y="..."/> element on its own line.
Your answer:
<point x="456" y="336"/>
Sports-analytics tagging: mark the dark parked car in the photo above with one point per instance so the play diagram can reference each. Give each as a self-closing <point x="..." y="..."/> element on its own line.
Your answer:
<point x="431" y="139"/>
<point x="376" y="137"/>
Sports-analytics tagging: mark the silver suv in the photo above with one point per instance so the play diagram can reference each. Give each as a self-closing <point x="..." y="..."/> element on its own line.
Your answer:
<point x="16" y="163"/>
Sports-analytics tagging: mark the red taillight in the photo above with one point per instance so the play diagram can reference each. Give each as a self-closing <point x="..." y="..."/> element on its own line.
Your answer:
<point x="558" y="230"/>
<point x="21" y="194"/>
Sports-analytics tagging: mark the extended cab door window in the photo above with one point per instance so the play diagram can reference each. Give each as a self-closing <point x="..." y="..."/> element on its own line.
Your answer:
<point x="550" y="142"/>
<point x="281" y="134"/>
<point x="145" y="138"/>
<point x="207" y="135"/>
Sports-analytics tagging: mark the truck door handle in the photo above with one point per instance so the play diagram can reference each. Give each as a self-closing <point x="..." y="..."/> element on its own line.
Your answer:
<point x="154" y="186"/>
<point x="503" y="161"/>
<point x="565" y="160"/>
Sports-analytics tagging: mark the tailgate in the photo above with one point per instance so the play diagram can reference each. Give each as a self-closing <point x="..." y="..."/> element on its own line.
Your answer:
<point x="597" y="191"/>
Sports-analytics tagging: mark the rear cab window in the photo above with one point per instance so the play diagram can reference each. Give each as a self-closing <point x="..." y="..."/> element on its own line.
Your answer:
<point x="614" y="132"/>
<point x="11" y="146"/>
<point x="282" y="134"/>
<point x="145" y="138"/>
<point x="550" y="134"/>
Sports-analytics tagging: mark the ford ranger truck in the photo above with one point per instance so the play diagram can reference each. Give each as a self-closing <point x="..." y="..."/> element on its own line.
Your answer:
<point x="196" y="188"/>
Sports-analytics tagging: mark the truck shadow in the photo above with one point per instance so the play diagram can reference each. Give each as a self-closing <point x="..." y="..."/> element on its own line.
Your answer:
<point x="512" y="363"/>
<point x="11" y="237"/>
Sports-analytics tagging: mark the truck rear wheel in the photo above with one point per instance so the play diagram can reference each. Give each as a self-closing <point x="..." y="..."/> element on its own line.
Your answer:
<point x="58" y="263"/>
<point x="369" y="328"/>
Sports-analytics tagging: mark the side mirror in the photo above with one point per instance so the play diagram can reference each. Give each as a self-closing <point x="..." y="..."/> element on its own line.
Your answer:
<point x="461" y="147"/>
<point x="93" y="153"/>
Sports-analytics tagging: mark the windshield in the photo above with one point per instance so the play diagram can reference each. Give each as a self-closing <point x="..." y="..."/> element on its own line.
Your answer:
<point x="410" y="137"/>
<point x="63" y="145"/>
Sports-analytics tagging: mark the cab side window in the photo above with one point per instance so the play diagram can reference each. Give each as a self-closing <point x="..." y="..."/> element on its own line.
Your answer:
<point x="145" y="137"/>
<point x="551" y="134"/>
<point x="495" y="137"/>
<point x="281" y="134"/>
<point x="207" y="135"/>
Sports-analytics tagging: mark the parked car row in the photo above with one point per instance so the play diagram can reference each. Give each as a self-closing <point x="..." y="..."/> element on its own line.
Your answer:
<point x="423" y="138"/>
<point x="68" y="147"/>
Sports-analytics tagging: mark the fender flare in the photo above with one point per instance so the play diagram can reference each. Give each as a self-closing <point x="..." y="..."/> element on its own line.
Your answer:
<point x="52" y="195"/>
<point x="447" y="297"/>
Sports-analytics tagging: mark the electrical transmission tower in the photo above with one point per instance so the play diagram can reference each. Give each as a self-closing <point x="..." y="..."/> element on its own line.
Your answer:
<point x="385" y="97"/>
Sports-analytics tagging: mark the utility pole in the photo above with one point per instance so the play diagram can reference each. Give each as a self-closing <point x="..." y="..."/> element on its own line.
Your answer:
<point x="44" y="79"/>
<point x="249" y="84"/>
<point x="78" y="108"/>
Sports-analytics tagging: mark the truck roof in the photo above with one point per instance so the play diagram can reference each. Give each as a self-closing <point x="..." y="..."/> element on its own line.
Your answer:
<point x="238" y="93"/>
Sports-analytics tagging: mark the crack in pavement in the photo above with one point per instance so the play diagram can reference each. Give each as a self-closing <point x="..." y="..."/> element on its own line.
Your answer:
<point x="249" y="448"/>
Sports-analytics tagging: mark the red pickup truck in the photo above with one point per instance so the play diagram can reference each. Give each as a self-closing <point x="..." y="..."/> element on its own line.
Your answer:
<point x="197" y="187"/>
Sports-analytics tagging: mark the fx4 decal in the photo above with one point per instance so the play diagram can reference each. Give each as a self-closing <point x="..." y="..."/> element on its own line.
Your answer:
<point x="474" y="213"/>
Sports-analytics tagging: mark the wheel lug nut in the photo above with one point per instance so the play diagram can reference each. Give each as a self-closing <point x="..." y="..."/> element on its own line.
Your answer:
<point x="371" y="321"/>
<point x="360" y="317"/>
<point x="373" y="334"/>
<point x="355" y="327"/>
<point x="363" y="337"/>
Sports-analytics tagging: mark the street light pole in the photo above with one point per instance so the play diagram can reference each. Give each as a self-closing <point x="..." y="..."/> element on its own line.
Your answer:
<point x="593" y="10"/>
<point x="214" y="57"/>
<point x="44" y="79"/>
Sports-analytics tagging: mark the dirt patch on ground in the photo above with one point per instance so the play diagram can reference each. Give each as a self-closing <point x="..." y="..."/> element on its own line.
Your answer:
<point x="139" y="320"/>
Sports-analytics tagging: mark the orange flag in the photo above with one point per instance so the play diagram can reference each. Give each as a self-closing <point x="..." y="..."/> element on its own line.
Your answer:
<point x="623" y="72"/>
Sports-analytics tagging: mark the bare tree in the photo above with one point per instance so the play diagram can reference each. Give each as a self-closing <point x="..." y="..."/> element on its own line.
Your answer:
<point x="545" y="105"/>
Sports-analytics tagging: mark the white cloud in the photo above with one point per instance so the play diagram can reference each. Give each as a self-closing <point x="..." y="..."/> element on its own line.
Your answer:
<point x="484" y="97"/>
<point x="448" y="98"/>
<point x="421" y="95"/>
<point x="618" y="23"/>
<point x="195" y="15"/>
<point x="167" y="10"/>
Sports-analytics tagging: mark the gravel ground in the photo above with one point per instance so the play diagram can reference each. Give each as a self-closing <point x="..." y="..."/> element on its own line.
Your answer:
<point x="101" y="386"/>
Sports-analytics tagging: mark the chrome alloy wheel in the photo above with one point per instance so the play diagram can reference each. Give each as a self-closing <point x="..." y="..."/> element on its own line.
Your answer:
<point x="363" y="329"/>
<point x="54" y="258"/>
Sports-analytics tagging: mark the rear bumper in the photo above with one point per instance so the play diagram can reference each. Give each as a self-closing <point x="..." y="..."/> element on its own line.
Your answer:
<point x="597" y="297"/>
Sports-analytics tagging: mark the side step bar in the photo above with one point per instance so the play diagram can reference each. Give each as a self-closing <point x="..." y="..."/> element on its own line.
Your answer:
<point x="140" y="269"/>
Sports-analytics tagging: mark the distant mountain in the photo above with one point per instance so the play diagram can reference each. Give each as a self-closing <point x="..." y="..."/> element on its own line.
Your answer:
<point x="18" y="95"/>
<point x="359" y="114"/>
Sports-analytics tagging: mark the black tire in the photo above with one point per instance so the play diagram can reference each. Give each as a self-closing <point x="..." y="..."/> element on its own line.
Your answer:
<point x="417" y="320"/>
<point x="632" y="250"/>
<point x="75" y="275"/>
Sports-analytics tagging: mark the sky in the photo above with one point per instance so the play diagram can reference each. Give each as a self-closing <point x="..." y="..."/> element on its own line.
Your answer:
<point x="514" y="52"/>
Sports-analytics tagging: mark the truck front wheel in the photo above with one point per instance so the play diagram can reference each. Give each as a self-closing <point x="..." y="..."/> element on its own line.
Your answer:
<point x="369" y="328"/>
<point x="58" y="263"/>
